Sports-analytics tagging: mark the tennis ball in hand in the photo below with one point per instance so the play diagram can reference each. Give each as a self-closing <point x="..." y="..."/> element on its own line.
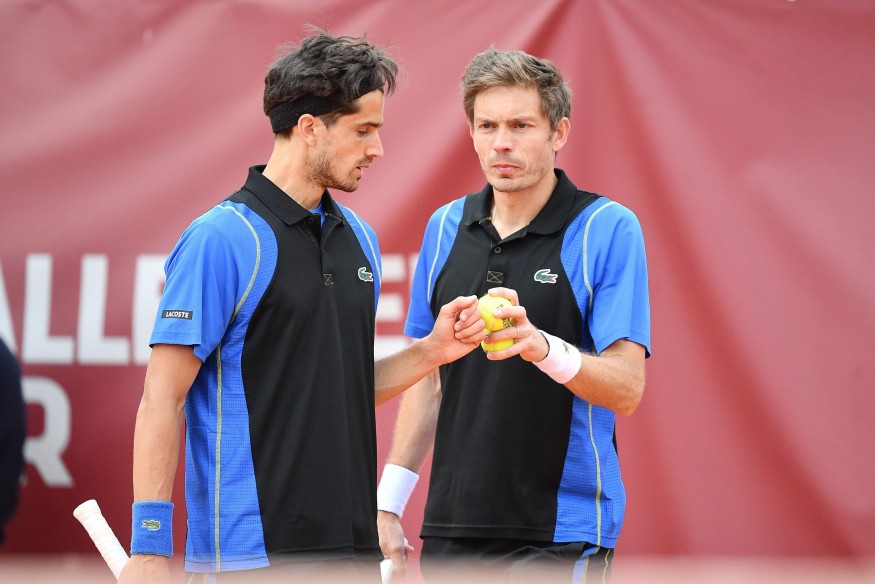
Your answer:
<point x="488" y="304"/>
<point x="496" y="346"/>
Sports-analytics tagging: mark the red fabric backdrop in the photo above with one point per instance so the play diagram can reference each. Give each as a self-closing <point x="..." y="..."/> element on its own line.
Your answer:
<point x="740" y="131"/>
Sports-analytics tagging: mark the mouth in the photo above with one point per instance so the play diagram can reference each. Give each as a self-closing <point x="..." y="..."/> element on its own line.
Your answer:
<point x="504" y="168"/>
<point x="361" y="168"/>
<point x="504" y="164"/>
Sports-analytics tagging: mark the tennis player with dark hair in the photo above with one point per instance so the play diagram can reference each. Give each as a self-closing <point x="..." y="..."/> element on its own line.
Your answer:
<point x="525" y="482"/>
<point x="264" y="345"/>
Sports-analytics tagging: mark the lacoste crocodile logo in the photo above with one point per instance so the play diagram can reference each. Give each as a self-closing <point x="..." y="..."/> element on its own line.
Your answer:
<point x="545" y="277"/>
<point x="151" y="524"/>
<point x="365" y="275"/>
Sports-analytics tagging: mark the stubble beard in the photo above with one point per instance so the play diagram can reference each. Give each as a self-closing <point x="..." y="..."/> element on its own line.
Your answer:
<point x="532" y="174"/>
<point x="323" y="174"/>
<point x="506" y="184"/>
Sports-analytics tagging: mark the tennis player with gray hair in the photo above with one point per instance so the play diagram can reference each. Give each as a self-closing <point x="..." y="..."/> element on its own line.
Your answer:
<point x="525" y="481"/>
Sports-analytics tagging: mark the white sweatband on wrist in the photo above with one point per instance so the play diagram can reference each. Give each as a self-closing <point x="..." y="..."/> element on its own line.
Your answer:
<point x="562" y="361"/>
<point x="395" y="488"/>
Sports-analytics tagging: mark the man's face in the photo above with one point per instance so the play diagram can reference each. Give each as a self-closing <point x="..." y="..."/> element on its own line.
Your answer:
<point x="513" y="139"/>
<point x="349" y="146"/>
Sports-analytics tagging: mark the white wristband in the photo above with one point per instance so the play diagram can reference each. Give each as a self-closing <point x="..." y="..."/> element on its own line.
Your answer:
<point x="395" y="488"/>
<point x="562" y="361"/>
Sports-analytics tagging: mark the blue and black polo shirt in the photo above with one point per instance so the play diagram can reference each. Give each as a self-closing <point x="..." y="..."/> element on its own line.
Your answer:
<point x="280" y="426"/>
<point x="516" y="454"/>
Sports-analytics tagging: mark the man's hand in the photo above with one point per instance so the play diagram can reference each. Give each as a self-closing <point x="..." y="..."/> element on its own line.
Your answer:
<point x="529" y="343"/>
<point x="393" y="543"/>
<point x="458" y="329"/>
<point x="146" y="569"/>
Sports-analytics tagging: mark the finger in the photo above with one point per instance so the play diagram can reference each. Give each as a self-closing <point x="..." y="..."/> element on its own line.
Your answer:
<point x="515" y="332"/>
<point x="472" y="328"/>
<point x="473" y="339"/>
<point x="511" y="351"/>
<point x="500" y="354"/>
<point x="466" y="314"/>
<point x="508" y="293"/>
<point x="456" y="307"/>
<point x="516" y="313"/>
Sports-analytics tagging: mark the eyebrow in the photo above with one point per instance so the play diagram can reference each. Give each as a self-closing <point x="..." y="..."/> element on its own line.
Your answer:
<point x="512" y="119"/>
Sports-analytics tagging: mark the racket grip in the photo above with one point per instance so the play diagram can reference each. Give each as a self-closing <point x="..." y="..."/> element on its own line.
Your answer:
<point x="89" y="515"/>
<point x="386" y="570"/>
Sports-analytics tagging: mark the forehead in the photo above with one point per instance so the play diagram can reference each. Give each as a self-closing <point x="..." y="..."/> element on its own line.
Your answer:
<point x="370" y="109"/>
<point x="508" y="103"/>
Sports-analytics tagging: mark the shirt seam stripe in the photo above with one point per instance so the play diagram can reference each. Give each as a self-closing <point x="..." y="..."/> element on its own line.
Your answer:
<point x="218" y="454"/>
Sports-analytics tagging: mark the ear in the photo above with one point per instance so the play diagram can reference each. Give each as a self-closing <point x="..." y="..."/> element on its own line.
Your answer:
<point x="560" y="135"/>
<point x="308" y="127"/>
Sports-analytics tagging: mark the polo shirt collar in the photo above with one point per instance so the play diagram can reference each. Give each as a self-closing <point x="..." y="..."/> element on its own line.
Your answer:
<point x="550" y="219"/>
<point x="279" y="203"/>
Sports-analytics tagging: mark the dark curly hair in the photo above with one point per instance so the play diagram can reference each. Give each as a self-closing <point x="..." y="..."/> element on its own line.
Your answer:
<point x="339" y="68"/>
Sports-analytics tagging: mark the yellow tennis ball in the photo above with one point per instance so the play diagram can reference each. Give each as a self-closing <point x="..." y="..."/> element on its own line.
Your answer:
<point x="489" y="304"/>
<point x="496" y="346"/>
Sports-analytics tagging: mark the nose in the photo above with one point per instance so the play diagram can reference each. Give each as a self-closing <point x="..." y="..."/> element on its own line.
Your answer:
<point x="375" y="149"/>
<point x="503" y="141"/>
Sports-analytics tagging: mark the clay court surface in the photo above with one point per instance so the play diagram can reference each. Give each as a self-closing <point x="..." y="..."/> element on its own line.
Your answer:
<point x="76" y="569"/>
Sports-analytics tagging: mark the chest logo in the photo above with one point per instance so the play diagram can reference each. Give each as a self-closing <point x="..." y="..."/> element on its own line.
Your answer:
<point x="545" y="277"/>
<point x="365" y="275"/>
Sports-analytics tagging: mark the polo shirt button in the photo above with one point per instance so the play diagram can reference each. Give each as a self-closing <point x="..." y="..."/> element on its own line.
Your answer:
<point x="497" y="249"/>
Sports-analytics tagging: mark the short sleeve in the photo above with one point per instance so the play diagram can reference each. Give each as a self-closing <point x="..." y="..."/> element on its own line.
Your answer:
<point x="436" y="245"/>
<point x="203" y="282"/>
<point x="620" y="295"/>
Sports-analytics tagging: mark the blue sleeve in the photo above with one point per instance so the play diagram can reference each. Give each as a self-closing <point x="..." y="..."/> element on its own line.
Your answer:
<point x="420" y="320"/>
<point x="440" y="233"/>
<point x="204" y="281"/>
<point x="620" y="296"/>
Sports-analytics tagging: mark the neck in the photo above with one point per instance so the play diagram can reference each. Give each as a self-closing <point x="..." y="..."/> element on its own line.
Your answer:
<point x="514" y="210"/>
<point x="286" y="169"/>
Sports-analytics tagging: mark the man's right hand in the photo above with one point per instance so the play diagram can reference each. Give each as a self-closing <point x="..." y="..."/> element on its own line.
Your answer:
<point x="146" y="569"/>
<point x="393" y="543"/>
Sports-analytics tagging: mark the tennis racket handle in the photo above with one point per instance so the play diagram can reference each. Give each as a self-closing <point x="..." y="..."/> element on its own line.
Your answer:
<point x="89" y="515"/>
<point x="386" y="570"/>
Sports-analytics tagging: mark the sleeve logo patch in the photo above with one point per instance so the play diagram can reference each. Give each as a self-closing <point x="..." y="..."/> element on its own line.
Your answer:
<point x="365" y="275"/>
<point x="151" y="524"/>
<point x="182" y="314"/>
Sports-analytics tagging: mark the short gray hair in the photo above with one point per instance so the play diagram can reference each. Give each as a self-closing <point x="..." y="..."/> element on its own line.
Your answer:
<point x="493" y="68"/>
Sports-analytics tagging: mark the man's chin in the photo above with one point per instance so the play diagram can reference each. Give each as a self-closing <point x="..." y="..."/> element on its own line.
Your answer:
<point x="345" y="187"/>
<point x="505" y="185"/>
